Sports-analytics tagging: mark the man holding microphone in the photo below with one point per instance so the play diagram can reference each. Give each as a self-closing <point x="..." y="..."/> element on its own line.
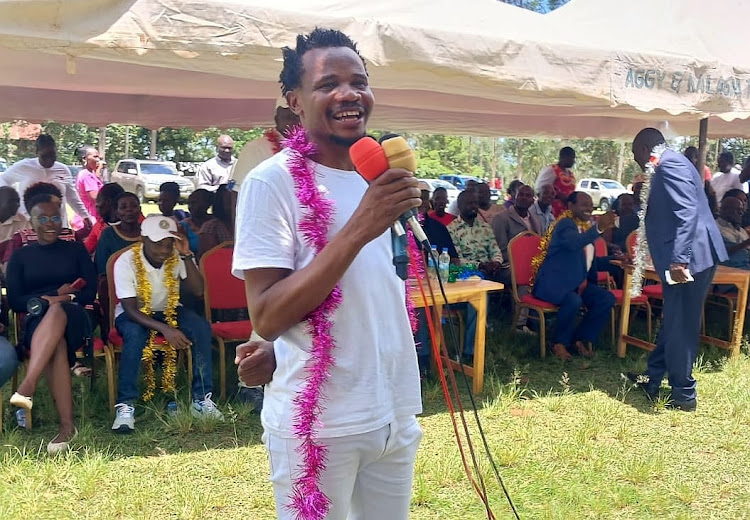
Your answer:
<point x="314" y="248"/>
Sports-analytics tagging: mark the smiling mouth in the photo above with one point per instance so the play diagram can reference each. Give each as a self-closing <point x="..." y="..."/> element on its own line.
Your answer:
<point x="349" y="115"/>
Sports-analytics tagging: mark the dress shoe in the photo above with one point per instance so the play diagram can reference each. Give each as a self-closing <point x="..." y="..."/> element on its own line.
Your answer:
<point x="585" y="349"/>
<point x="643" y="382"/>
<point x="54" y="448"/>
<point x="21" y="401"/>
<point x="685" y="406"/>
<point x="560" y="352"/>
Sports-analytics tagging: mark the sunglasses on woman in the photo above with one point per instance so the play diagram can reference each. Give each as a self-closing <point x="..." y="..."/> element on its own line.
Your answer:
<point x="46" y="220"/>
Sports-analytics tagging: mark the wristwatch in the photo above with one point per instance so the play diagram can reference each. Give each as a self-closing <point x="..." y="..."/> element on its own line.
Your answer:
<point x="189" y="255"/>
<point x="72" y="297"/>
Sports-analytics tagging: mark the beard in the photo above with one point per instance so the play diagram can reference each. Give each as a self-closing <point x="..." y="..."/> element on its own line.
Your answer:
<point x="344" y="141"/>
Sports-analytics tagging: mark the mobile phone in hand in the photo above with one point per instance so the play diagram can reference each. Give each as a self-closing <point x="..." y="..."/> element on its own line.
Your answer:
<point x="78" y="284"/>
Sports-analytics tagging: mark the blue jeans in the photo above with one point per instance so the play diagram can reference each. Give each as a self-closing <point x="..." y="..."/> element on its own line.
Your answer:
<point x="8" y="361"/>
<point x="135" y="336"/>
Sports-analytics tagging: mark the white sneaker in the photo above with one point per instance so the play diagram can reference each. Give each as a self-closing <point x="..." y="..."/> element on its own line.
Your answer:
<point x="124" y="418"/>
<point x="206" y="408"/>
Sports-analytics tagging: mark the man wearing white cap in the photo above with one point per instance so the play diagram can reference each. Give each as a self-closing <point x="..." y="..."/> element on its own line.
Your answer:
<point x="258" y="150"/>
<point x="217" y="170"/>
<point x="150" y="274"/>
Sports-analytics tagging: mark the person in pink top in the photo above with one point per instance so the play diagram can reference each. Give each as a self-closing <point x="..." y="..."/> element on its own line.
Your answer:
<point x="88" y="181"/>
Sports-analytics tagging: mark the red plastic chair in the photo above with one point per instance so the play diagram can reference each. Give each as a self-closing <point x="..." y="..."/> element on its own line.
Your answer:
<point x="521" y="250"/>
<point x="602" y="277"/>
<point x="114" y="340"/>
<point x="651" y="291"/>
<point x="224" y="292"/>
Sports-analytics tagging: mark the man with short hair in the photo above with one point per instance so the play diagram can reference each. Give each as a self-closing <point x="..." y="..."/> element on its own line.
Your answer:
<point x="439" y="203"/>
<point x="736" y="238"/>
<point x="370" y="390"/>
<point x="542" y="207"/>
<point x="685" y="245"/>
<point x="217" y="170"/>
<point x="728" y="177"/>
<point x="560" y="176"/>
<point x="568" y="278"/>
<point x="258" y="150"/>
<point x="160" y="247"/>
<point x="507" y="225"/>
<point x="475" y="240"/>
<point x="169" y="196"/>
<point x="487" y="210"/>
<point x="475" y="243"/>
<point x="45" y="168"/>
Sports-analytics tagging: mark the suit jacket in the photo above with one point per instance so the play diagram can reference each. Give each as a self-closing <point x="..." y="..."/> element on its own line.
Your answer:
<point x="508" y="224"/>
<point x="679" y="225"/>
<point x="564" y="267"/>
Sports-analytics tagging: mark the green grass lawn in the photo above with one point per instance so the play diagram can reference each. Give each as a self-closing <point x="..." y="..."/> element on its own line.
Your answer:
<point x="571" y="440"/>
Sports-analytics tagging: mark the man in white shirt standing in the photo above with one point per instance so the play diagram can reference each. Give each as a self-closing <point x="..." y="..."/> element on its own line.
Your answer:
<point x="371" y="393"/>
<point x="45" y="168"/>
<point x="727" y="178"/>
<point x="270" y="143"/>
<point x="217" y="170"/>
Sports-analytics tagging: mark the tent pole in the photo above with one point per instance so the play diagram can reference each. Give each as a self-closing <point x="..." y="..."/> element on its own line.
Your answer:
<point x="702" y="137"/>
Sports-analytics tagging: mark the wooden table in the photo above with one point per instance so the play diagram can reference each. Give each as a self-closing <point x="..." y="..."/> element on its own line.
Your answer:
<point x="475" y="294"/>
<point x="724" y="275"/>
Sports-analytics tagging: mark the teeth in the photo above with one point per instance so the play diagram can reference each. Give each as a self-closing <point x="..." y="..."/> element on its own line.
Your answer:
<point x="347" y="114"/>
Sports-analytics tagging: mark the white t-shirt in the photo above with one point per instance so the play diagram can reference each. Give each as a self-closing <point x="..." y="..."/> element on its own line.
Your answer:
<point x="126" y="286"/>
<point x="723" y="182"/>
<point x="375" y="377"/>
<point x="27" y="172"/>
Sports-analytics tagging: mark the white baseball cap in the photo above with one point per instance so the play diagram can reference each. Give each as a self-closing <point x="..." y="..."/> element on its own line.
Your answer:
<point x="158" y="228"/>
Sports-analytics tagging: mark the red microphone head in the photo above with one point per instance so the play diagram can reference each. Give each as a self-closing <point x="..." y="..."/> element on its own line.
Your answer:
<point x="369" y="158"/>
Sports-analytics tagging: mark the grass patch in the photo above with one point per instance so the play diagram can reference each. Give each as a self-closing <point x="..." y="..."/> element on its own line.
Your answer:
<point x="571" y="440"/>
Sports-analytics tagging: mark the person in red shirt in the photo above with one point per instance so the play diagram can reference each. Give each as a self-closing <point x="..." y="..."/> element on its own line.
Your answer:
<point x="439" y="203"/>
<point x="105" y="207"/>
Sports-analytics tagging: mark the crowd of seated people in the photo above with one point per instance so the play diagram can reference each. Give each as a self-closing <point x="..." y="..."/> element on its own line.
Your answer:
<point x="55" y="274"/>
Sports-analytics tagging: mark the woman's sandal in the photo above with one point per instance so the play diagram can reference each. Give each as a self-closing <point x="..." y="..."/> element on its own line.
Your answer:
<point x="80" y="370"/>
<point x="21" y="401"/>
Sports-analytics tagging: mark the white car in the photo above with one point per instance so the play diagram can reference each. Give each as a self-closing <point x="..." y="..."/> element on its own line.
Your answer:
<point x="449" y="188"/>
<point x="144" y="177"/>
<point x="602" y="191"/>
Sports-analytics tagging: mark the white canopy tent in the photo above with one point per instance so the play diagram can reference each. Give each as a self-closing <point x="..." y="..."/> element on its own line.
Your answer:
<point x="476" y="67"/>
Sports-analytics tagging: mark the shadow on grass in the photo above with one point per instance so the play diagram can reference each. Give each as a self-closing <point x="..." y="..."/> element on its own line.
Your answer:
<point x="513" y="364"/>
<point x="157" y="432"/>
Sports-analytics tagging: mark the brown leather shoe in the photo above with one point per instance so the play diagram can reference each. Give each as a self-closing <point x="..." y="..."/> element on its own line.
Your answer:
<point x="585" y="350"/>
<point x="560" y="352"/>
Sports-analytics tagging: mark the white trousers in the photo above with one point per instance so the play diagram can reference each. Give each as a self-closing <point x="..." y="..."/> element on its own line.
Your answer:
<point x="367" y="477"/>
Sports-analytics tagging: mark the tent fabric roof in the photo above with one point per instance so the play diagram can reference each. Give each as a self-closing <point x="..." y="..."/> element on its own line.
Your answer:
<point x="477" y="67"/>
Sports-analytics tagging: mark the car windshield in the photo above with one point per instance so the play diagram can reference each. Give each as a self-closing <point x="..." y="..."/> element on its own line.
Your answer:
<point x="612" y="185"/>
<point x="154" y="169"/>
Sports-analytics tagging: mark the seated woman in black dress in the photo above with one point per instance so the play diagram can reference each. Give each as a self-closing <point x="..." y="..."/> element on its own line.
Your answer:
<point x="46" y="273"/>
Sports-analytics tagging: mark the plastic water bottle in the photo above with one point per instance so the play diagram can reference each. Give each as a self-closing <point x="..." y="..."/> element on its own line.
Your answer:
<point x="444" y="263"/>
<point x="172" y="408"/>
<point x="21" y="417"/>
<point x="431" y="267"/>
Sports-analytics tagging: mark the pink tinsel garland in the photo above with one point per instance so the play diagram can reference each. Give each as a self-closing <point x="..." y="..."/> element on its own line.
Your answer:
<point x="307" y="500"/>
<point x="415" y="272"/>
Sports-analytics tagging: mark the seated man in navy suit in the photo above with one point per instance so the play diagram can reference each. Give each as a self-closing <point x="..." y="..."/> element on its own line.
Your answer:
<point x="567" y="278"/>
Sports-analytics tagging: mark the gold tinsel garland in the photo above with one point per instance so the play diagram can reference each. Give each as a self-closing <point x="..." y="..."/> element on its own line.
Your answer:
<point x="537" y="261"/>
<point x="144" y="293"/>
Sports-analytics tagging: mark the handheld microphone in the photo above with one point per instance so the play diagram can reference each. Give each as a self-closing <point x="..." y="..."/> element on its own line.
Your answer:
<point x="372" y="160"/>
